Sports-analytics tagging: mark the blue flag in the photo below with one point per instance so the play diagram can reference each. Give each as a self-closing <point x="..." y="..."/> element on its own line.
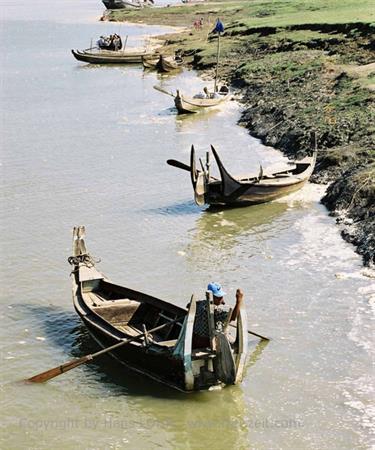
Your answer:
<point x="219" y="27"/>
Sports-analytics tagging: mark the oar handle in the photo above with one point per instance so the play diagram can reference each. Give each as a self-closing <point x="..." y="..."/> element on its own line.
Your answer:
<point x="255" y="334"/>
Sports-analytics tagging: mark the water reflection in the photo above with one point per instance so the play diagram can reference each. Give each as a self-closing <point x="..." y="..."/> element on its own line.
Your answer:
<point x="223" y="229"/>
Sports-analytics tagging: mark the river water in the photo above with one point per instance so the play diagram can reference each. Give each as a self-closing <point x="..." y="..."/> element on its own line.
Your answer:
<point x="87" y="145"/>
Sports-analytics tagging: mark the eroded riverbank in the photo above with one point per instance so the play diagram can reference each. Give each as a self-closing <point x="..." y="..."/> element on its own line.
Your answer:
<point x="297" y="74"/>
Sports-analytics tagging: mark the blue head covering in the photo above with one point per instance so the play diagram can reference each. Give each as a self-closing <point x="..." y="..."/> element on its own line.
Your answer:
<point x="216" y="290"/>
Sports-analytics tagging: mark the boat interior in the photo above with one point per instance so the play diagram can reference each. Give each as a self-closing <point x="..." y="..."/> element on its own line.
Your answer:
<point x="132" y="312"/>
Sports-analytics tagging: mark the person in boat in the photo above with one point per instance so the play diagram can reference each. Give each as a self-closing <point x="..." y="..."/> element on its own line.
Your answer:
<point x="117" y="44"/>
<point x="204" y="94"/>
<point x="201" y="331"/>
<point x="102" y="42"/>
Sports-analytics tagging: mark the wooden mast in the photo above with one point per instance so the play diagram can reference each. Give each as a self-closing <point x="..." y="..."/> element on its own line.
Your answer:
<point x="217" y="60"/>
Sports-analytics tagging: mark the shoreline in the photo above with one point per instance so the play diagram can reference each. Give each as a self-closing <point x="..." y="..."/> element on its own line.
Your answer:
<point x="293" y="79"/>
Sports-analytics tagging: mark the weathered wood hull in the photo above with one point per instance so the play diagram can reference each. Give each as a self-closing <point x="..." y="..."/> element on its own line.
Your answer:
<point x="123" y="4"/>
<point x="167" y="65"/>
<point x="270" y="184"/>
<point x="190" y="105"/>
<point x="109" y="57"/>
<point x="113" y="313"/>
<point x="252" y="195"/>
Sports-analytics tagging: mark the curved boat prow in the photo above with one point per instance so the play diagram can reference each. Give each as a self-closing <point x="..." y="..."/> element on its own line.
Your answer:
<point x="79" y="246"/>
<point x="228" y="184"/>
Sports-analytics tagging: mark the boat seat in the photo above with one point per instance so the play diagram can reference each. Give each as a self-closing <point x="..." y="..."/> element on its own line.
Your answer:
<point x="170" y="343"/>
<point x="202" y="353"/>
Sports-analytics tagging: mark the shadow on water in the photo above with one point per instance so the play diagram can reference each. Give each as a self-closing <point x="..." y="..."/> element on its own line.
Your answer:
<point x="177" y="209"/>
<point x="64" y="330"/>
<point x="223" y="227"/>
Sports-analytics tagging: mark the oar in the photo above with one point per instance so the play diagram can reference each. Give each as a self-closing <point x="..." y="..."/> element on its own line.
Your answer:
<point x="164" y="92"/>
<point x="183" y="166"/>
<point x="178" y="164"/>
<point x="264" y="338"/>
<point x="52" y="373"/>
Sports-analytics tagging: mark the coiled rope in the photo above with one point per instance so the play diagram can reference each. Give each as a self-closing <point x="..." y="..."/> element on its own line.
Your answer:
<point x="85" y="259"/>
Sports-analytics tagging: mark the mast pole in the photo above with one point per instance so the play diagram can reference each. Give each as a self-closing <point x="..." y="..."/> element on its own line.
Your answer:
<point x="217" y="60"/>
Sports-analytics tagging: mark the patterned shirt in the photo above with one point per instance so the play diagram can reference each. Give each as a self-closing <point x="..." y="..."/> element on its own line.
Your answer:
<point x="201" y="318"/>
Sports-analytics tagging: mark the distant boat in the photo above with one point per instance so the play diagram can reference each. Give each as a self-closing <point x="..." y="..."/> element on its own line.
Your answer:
<point x="204" y="100"/>
<point x="127" y="4"/>
<point x="162" y="347"/>
<point x="162" y="63"/>
<point x="96" y="56"/>
<point x="186" y="105"/>
<point x="249" y="189"/>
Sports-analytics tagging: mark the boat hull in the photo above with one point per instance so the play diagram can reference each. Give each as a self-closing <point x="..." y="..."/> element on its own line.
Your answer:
<point x="159" y="335"/>
<point x="109" y="57"/>
<point x="122" y="4"/>
<point x="190" y="105"/>
<point x="159" y="367"/>
<point x="253" y="195"/>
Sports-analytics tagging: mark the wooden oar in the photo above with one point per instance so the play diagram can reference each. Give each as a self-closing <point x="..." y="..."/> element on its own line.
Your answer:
<point x="164" y="92"/>
<point x="56" y="371"/>
<point x="183" y="166"/>
<point x="264" y="338"/>
<point x="178" y="164"/>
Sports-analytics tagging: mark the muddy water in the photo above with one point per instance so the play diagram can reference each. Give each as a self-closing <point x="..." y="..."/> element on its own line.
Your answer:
<point x="87" y="145"/>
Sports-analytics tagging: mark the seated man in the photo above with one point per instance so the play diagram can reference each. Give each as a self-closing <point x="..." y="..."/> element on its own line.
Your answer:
<point x="201" y="331"/>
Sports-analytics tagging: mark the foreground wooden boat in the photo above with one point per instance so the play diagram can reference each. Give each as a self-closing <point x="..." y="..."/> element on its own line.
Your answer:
<point x="93" y="56"/>
<point x="249" y="189"/>
<point x="112" y="313"/>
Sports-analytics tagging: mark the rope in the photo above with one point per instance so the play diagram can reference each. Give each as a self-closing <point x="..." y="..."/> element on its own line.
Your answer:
<point x="85" y="259"/>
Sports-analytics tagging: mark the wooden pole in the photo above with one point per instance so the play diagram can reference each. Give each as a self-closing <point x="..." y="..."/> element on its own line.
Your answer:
<point x="126" y="40"/>
<point x="217" y="61"/>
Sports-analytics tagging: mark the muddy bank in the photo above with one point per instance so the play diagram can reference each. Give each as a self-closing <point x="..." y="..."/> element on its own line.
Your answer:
<point x="293" y="81"/>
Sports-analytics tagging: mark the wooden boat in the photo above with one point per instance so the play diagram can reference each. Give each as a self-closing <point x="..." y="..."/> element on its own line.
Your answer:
<point x="127" y="4"/>
<point x="162" y="63"/>
<point x="186" y="105"/>
<point x="112" y="313"/>
<point x="94" y="56"/>
<point x="168" y="64"/>
<point x="249" y="189"/>
<point x="150" y="61"/>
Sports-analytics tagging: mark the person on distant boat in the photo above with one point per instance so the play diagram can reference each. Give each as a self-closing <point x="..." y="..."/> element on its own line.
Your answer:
<point x="201" y="331"/>
<point x="204" y="94"/>
<point x="117" y="44"/>
<point x="101" y="42"/>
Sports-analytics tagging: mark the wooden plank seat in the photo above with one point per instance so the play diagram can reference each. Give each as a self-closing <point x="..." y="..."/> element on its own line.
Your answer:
<point x="202" y="353"/>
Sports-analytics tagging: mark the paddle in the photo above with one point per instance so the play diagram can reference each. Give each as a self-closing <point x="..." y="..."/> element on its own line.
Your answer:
<point x="56" y="371"/>
<point x="178" y="164"/>
<point x="164" y="92"/>
<point x="264" y="338"/>
<point x="183" y="166"/>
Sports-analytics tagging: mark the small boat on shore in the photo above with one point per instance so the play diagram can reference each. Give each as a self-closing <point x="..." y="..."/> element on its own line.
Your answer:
<point x="98" y="56"/>
<point x="204" y="101"/>
<point x="249" y="189"/>
<point x="114" y="313"/>
<point x="162" y="63"/>
<point x="200" y="102"/>
<point x="127" y="4"/>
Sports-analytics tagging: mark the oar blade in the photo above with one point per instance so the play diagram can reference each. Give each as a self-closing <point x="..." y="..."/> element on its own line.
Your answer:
<point x="178" y="164"/>
<point x="52" y="373"/>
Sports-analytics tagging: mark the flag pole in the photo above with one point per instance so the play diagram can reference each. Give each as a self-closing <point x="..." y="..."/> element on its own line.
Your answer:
<point x="217" y="61"/>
